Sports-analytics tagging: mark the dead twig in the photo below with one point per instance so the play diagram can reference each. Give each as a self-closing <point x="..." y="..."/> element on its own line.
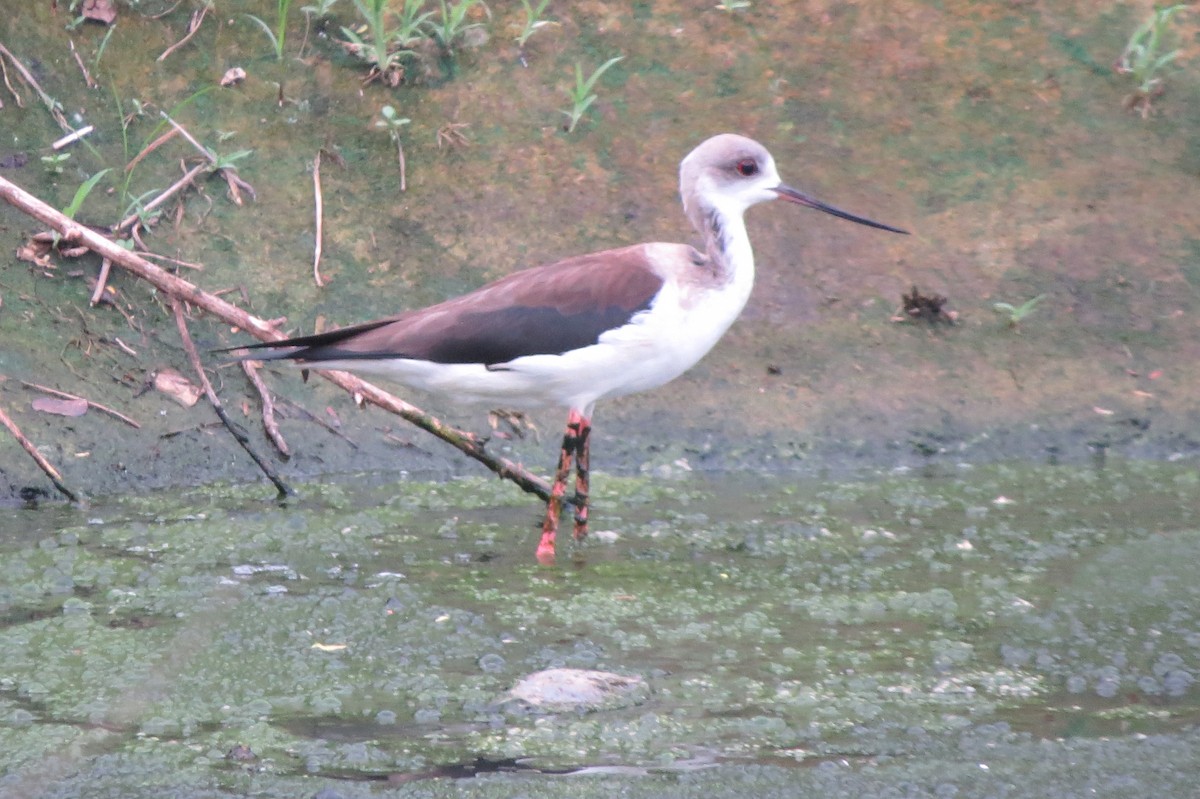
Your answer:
<point x="236" y="430"/>
<point x="229" y="173"/>
<point x="207" y="153"/>
<point x="403" y="168"/>
<point x="309" y="416"/>
<point x="51" y="104"/>
<point x="38" y="458"/>
<point x="175" y="286"/>
<point x="151" y="147"/>
<point x="11" y="90"/>
<point x="91" y="84"/>
<point x="188" y="178"/>
<point x="268" y="409"/>
<point x="64" y="395"/>
<point x="101" y="281"/>
<point x="319" y="204"/>
<point x="193" y="26"/>
<point x="74" y="136"/>
<point x="170" y="260"/>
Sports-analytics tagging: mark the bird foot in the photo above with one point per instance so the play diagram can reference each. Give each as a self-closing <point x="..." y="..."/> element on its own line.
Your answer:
<point x="516" y="423"/>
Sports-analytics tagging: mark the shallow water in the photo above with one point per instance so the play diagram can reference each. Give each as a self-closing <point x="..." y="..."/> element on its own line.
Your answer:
<point x="368" y="632"/>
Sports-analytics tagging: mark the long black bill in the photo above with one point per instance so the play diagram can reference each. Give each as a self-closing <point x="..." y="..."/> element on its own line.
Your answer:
<point x="793" y="196"/>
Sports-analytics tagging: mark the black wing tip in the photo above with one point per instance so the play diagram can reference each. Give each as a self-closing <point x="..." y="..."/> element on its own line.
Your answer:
<point x="275" y="351"/>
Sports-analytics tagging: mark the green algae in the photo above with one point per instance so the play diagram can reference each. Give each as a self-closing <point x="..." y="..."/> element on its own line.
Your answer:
<point x="807" y="621"/>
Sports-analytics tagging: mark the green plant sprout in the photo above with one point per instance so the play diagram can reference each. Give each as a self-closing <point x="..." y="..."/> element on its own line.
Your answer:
<point x="103" y="46"/>
<point x="412" y="19"/>
<point x="53" y="164"/>
<point x="377" y="50"/>
<point x="581" y="95"/>
<point x="1017" y="312"/>
<point x="82" y="192"/>
<point x="229" y="161"/>
<point x="533" y="23"/>
<point x="321" y="8"/>
<point x="138" y="206"/>
<point x="278" y="36"/>
<point x="1142" y="60"/>
<point x="392" y="123"/>
<point x="453" y="23"/>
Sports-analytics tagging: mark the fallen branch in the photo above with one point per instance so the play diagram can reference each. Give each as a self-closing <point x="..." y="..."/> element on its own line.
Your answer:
<point x="151" y="147"/>
<point x="173" y="189"/>
<point x="239" y="435"/>
<point x="72" y="137"/>
<point x="263" y="330"/>
<point x="64" y="395"/>
<point x="268" y="408"/>
<point x="309" y="416"/>
<point x="101" y="281"/>
<point x="91" y="84"/>
<point x="11" y="90"/>
<point x="193" y="26"/>
<point x="38" y="458"/>
<point x="229" y="173"/>
<point x="51" y="104"/>
<point x="319" y="203"/>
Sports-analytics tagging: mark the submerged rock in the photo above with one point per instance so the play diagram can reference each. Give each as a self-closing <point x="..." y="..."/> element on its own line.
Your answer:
<point x="559" y="690"/>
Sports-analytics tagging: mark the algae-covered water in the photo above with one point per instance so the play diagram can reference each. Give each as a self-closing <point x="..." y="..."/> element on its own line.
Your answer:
<point x="968" y="631"/>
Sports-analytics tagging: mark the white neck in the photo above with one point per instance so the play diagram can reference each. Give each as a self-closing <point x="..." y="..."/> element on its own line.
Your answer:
<point x="728" y="247"/>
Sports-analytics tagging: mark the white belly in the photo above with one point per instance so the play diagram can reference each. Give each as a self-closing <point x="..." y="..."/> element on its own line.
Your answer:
<point x="655" y="347"/>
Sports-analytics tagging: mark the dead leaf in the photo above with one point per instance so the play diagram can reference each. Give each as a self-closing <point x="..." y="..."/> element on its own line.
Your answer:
<point x="177" y="387"/>
<point x="61" y="407"/>
<point x="35" y="252"/>
<point x="232" y="76"/>
<point x="99" y="11"/>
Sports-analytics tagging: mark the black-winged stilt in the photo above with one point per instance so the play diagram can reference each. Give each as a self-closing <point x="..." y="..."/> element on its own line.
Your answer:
<point x="583" y="329"/>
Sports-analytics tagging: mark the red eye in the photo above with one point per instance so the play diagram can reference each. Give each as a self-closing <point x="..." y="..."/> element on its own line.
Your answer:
<point x="747" y="167"/>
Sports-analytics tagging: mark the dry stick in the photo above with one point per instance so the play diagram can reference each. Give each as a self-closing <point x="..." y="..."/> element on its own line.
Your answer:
<point x="11" y="90"/>
<point x="227" y="172"/>
<point x="193" y="26"/>
<point x="176" y="261"/>
<point x="64" y="395"/>
<point x="171" y="191"/>
<point x="403" y="178"/>
<point x="72" y="137"/>
<point x="309" y="416"/>
<point x="319" y="208"/>
<point x="238" y="433"/>
<point x="42" y="463"/>
<point x="207" y="153"/>
<point x="101" y="281"/>
<point x="268" y="409"/>
<point x="151" y="147"/>
<point x="176" y="286"/>
<point x="91" y="84"/>
<point x="47" y="99"/>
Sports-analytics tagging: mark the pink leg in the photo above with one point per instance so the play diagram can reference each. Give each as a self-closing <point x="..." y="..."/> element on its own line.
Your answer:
<point x="570" y="446"/>
<point x="582" y="477"/>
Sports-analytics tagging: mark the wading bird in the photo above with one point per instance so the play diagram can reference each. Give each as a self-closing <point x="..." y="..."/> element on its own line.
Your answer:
<point x="586" y="328"/>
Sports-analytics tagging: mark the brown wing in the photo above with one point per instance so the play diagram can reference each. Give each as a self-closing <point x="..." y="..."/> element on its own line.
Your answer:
<point x="545" y="310"/>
